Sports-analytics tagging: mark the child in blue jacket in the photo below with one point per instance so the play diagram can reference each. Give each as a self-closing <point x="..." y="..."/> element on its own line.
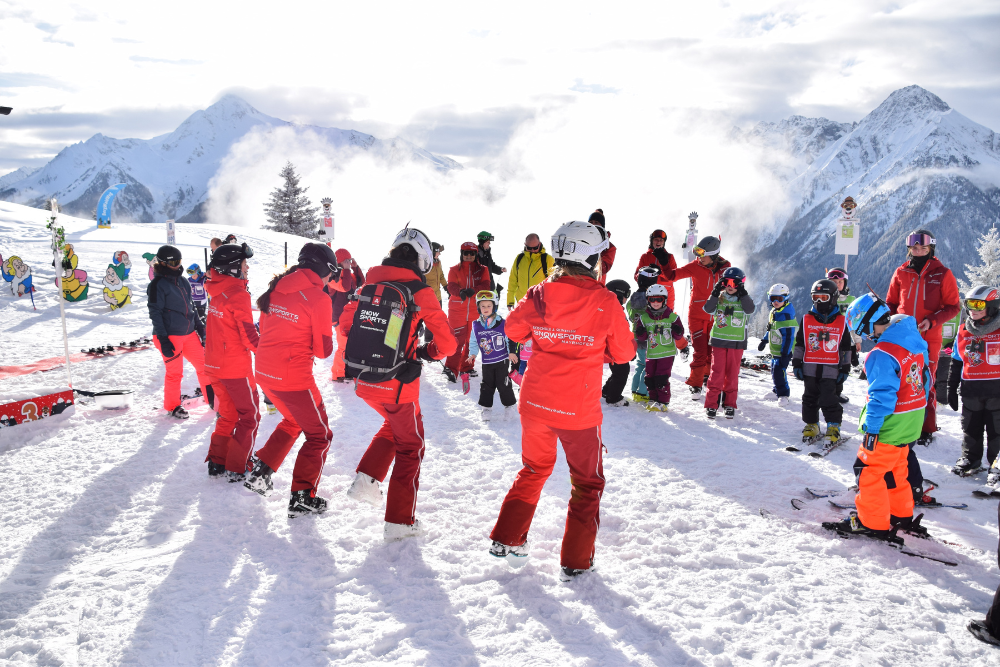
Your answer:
<point x="489" y="338"/>
<point x="781" y="328"/>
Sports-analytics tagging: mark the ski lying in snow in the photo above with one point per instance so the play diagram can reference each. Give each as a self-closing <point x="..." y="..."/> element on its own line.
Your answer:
<point x="898" y="546"/>
<point x="852" y="506"/>
<point x="986" y="491"/>
<point x="818" y="493"/>
<point x="826" y="449"/>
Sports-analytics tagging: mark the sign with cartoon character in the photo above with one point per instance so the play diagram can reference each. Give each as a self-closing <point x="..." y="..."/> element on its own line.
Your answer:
<point x="74" y="280"/>
<point x="150" y="261"/>
<point x="121" y="257"/>
<point x="116" y="293"/>
<point x="327" y="217"/>
<point x="17" y="274"/>
<point x="846" y="242"/>
<point x="691" y="236"/>
<point x="33" y="409"/>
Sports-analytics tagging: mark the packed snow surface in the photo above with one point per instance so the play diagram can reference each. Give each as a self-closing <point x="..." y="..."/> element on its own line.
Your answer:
<point x="118" y="549"/>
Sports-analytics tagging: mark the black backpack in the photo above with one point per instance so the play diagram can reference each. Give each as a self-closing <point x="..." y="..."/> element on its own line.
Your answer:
<point x="545" y="268"/>
<point x="368" y="355"/>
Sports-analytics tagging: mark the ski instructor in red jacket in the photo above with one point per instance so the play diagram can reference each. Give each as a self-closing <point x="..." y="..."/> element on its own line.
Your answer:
<point x="465" y="280"/>
<point x="230" y="339"/>
<point x="572" y="321"/>
<point x="296" y="326"/>
<point x="925" y="289"/>
<point x="397" y="400"/>
<point x="705" y="272"/>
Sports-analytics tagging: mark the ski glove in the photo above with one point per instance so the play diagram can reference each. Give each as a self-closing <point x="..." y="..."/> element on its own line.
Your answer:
<point x="953" y="398"/>
<point x="662" y="256"/>
<point x="762" y="344"/>
<point x="717" y="290"/>
<point x="871" y="439"/>
<point x="465" y="383"/>
<point x="741" y="291"/>
<point x="855" y="361"/>
<point x="166" y="347"/>
<point x="423" y="354"/>
<point x="798" y="373"/>
<point x="466" y="293"/>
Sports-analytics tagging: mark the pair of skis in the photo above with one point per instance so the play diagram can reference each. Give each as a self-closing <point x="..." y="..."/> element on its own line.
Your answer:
<point x="824" y="450"/>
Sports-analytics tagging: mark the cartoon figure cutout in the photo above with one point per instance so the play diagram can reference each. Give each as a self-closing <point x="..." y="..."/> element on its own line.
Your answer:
<point x="74" y="281"/>
<point x="121" y="257"/>
<point x="116" y="294"/>
<point x="17" y="274"/>
<point x="150" y="260"/>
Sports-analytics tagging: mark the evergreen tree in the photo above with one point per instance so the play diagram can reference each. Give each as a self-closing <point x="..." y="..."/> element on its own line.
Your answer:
<point x="289" y="210"/>
<point x="988" y="271"/>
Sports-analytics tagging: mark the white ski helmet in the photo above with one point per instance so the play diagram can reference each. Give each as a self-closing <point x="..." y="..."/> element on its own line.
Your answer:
<point x="778" y="289"/>
<point x="579" y="243"/>
<point x="487" y="295"/>
<point x="656" y="290"/>
<point x="417" y="240"/>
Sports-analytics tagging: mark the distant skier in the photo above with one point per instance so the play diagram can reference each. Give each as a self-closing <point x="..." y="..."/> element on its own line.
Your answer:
<point x="296" y="326"/>
<point x="645" y="277"/>
<point x="608" y="254"/>
<point x="924" y="288"/>
<point x="614" y="386"/>
<point x="489" y="338"/>
<point x="730" y="306"/>
<point x="781" y="328"/>
<point x="531" y="266"/>
<point x="975" y="376"/>
<point x="198" y="294"/>
<point x="821" y="360"/>
<point x="486" y="259"/>
<point x="660" y="333"/>
<point x="177" y="331"/>
<point x="571" y="320"/>
<point x="898" y="384"/>
<point x="230" y="339"/>
<point x="658" y="256"/>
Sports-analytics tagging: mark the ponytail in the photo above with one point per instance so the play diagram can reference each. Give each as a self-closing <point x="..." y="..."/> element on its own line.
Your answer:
<point x="264" y="300"/>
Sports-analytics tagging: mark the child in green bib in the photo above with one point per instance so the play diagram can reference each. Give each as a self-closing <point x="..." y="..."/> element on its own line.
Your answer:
<point x="660" y="333"/>
<point x="730" y="306"/>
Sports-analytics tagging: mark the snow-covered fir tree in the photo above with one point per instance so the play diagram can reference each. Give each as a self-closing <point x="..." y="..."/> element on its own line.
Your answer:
<point x="987" y="272"/>
<point x="289" y="210"/>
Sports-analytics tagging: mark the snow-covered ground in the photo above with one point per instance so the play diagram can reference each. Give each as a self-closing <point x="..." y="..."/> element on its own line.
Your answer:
<point x="117" y="549"/>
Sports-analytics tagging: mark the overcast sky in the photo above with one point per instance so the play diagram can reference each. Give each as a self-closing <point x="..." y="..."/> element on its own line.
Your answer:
<point x="459" y="78"/>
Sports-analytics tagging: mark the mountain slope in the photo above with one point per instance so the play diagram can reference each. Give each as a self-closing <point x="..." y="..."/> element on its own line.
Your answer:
<point x="168" y="176"/>
<point x="913" y="162"/>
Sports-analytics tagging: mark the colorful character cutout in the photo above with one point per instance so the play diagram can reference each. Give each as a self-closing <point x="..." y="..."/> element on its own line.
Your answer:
<point x="17" y="274"/>
<point x="121" y="257"/>
<point x="150" y="261"/>
<point x="116" y="293"/>
<point x="74" y="280"/>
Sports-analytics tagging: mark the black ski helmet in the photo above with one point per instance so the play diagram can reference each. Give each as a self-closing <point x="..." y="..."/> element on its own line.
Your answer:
<point x="732" y="273"/>
<point x="829" y="288"/>
<point x="647" y="276"/>
<point x="621" y="289"/>
<point x="319" y="257"/>
<point x="657" y="234"/>
<point x="711" y="246"/>
<point x="925" y="232"/>
<point x="228" y="259"/>
<point x="169" y="255"/>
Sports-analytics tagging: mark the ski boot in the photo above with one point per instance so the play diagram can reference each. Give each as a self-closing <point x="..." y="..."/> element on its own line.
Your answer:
<point x="843" y="399"/>
<point x="259" y="479"/>
<point x="179" y="413"/>
<point x="486" y="415"/>
<point x="783" y="401"/>
<point x="832" y="432"/>
<point x="911" y="526"/>
<point x="993" y="476"/>
<point x="639" y="398"/>
<point x="852" y="526"/>
<point x="365" y="489"/>
<point x="925" y="439"/>
<point x="450" y="374"/>
<point x="811" y="433"/>
<point x="695" y="393"/>
<point x="654" y="406"/>
<point x="235" y="477"/>
<point x="620" y="403"/>
<point x="303" y="502"/>
<point x="921" y="497"/>
<point x="965" y="468"/>
<point x="400" y="531"/>
<point x="568" y="573"/>
<point x="982" y="632"/>
<point x="730" y="412"/>
<point x="711" y="412"/>
<point x="216" y="469"/>
<point x="510" y="412"/>
<point x="515" y="556"/>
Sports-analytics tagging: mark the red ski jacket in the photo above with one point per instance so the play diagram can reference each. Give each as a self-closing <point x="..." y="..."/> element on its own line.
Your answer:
<point x="608" y="260"/>
<point x="230" y="335"/>
<point x="932" y="295"/>
<point x="571" y="322"/>
<point x="297" y="327"/>
<point x="465" y="275"/>
<point x="703" y="280"/>
<point x="430" y="313"/>
<point x="649" y="259"/>
<point x="349" y="281"/>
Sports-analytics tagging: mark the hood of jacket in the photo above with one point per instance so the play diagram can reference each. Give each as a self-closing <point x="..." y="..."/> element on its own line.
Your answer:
<point x="570" y="301"/>
<point x="904" y="332"/>
<point x="300" y="280"/>
<point x="219" y="283"/>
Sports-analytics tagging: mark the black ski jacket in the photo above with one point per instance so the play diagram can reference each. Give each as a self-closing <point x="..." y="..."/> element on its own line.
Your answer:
<point x="170" y="307"/>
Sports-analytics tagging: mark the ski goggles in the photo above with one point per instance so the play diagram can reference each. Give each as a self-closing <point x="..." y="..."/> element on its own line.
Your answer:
<point x="836" y="274"/>
<point x="701" y="252"/>
<point x="533" y="248"/>
<point x="820" y="298"/>
<point x="975" y="304"/>
<point x="468" y="253"/>
<point x="658" y="299"/>
<point x="193" y="272"/>
<point x="172" y="263"/>
<point x="484" y="236"/>
<point x="920" y="239"/>
<point x="658" y="234"/>
<point x="485" y="295"/>
<point x="776" y="297"/>
<point x="734" y="283"/>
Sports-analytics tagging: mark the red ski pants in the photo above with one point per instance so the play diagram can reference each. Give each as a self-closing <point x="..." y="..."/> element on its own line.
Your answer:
<point x="584" y="454"/>
<point x="882" y="486"/>
<point x="725" y="377"/>
<point x="459" y="362"/>
<point x="302" y="411"/>
<point x="701" y="361"/>
<point x="401" y="439"/>
<point x="930" y="413"/>
<point x="339" y="370"/>
<point x="237" y="403"/>
<point x="185" y="347"/>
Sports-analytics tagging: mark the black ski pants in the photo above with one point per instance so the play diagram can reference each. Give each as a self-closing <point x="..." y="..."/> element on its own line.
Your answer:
<point x="980" y="413"/>
<point x="821" y="394"/>
<point x="495" y="378"/>
<point x="615" y="384"/>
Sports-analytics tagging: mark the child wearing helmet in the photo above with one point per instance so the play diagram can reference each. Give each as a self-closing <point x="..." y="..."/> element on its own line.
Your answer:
<point x="844" y="301"/>
<point x="781" y="328"/>
<point x="661" y="333"/>
<point x="645" y="277"/>
<point x="498" y="353"/>
<point x="198" y="294"/>
<point x="975" y="376"/>
<point x="730" y="306"/>
<point x="898" y="385"/>
<point x="822" y="360"/>
<point x="614" y="386"/>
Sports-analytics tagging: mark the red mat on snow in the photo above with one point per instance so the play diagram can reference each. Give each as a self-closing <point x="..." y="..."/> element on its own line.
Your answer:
<point x="57" y="362"/>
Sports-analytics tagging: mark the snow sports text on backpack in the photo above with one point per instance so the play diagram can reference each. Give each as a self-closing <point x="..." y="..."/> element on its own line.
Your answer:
<point x="377" y="345"/>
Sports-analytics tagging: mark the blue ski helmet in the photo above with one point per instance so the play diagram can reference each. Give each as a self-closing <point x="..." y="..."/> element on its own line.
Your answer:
<point x="865" y="312"/>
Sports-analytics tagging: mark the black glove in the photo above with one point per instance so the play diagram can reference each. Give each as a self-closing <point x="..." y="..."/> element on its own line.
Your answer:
<point x="465" y="293"/>
<point x="762" y="344"/>
<point x="855" y="361"/>
<point x="799" y="373"/>
<point x="166" y="347"/>
<point x="423" y="354"/>
<point x="841" y="377"/>
<point x="869" y="442"/>
<point x="953" y="398"/>
<point x="717" y="290"/>
<point x="662" y="256"/>
<point x="741" y="291"/>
